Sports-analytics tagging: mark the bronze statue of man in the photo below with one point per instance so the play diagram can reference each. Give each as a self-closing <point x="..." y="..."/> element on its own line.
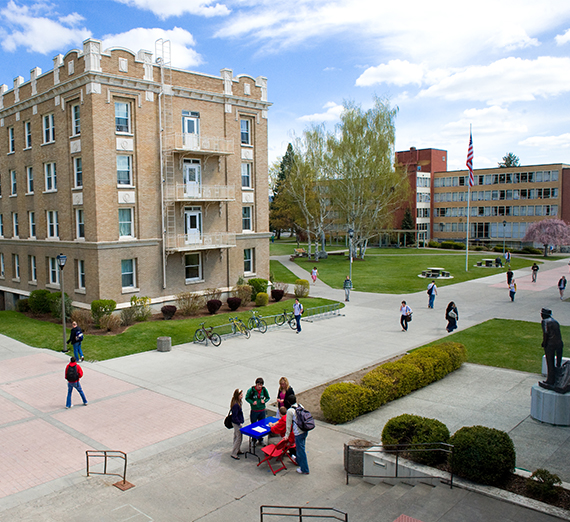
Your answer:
<point x="552" y="344"/>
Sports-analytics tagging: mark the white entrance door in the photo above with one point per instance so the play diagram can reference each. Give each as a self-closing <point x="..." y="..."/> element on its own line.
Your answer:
<point x="192" y="180"/>
<point x="191" y="132"/>
<point x="192" y="226"/>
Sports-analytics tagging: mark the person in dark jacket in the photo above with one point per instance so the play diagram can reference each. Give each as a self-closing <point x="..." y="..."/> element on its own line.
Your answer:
<point x="552" y="344"/>
<point x="452" y="316"/>
<point x="73" y="373"/>
<point x="75" y="338"/>
<point x="237" y="421"/>
<point x="283" y="392"/>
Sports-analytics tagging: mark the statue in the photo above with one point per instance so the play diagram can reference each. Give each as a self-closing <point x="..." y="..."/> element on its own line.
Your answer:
<point x="558" y="376"/>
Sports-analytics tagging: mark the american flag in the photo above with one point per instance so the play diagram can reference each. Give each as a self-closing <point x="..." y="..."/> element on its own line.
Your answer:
<point x="470" y="161"/>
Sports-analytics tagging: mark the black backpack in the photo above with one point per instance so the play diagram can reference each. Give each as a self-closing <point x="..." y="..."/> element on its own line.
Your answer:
<point x="72" y="374"/>
<point x="304" y="419"/>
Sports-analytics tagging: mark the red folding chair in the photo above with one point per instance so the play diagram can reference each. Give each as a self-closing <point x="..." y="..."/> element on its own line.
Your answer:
<point x="275" y="451"/>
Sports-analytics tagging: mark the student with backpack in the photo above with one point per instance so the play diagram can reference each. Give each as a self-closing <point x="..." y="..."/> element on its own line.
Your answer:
<point x="76" y="338"/>
<point x="298" y="312"/>
<point x="301" y="422"/>
<point x="73" y="373"/>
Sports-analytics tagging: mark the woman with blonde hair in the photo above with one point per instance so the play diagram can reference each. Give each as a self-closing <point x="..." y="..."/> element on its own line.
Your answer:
<point x="283" y="392"/>
<point x="237" y="421"/>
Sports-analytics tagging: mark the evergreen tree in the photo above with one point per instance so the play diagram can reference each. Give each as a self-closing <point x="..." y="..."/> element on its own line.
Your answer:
<point x="408" y="224"/>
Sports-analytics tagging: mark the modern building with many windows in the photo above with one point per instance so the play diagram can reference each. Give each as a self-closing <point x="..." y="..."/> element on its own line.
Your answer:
<point x="151" y="180"/>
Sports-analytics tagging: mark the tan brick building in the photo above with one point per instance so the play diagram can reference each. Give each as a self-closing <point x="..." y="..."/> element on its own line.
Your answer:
<point x="151" y="180"/>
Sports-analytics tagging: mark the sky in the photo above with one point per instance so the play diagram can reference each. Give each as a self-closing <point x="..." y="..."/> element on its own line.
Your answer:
<point x="500" y="66"/>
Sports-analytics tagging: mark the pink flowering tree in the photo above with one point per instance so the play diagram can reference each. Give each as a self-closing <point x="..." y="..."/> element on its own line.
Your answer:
<point x="548" y="232"/>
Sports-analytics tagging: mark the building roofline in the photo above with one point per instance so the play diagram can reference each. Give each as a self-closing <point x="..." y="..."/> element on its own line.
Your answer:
<point x="506" y="169"/>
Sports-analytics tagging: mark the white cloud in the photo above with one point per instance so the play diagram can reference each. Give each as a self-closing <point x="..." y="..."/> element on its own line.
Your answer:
<point x="548" y="142"/>
<point x="25" y="27"/>
<point x="332" y="113"/>
<point x="561" y="39"/>
<point x="167" y="8"/>
<point x="397" y="72"/>
<point x="490" y="121"/>
<point x="183" y="56"/>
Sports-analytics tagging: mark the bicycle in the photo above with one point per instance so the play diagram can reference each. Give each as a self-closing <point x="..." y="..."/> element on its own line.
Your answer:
<point x="203" y="334"/>
<point x="256" y="321"/>
<point x="238" y="326"/>
<point x="286" y="316"/>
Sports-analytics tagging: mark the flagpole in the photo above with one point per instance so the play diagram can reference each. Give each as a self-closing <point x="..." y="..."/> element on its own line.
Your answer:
<point x="467" y="235"/>
<point x="471" y="182"/>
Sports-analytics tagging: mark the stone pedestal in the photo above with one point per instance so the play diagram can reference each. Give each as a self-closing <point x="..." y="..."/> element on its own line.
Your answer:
<point x="163" y="344"/>
<point x="549" y="406"/>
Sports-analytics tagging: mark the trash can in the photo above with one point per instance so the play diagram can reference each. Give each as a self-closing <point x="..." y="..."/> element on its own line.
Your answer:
<point x="354" y="455"/>
<point x="164" y="344"/>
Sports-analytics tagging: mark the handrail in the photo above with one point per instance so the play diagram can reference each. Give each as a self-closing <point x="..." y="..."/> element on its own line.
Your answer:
<point x="303" y="512"/>
<point x="107" y="454"/>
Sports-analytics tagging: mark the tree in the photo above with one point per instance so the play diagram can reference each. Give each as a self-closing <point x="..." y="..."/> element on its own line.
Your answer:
<point x="281" y="209"/>
<point x="510" y="160"/>
<point x="548" y="232"/>
<point x="408" y="224"/>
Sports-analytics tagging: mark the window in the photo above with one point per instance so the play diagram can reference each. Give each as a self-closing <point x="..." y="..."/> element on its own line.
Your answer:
<point x="28" y="134"/>
<point x="75" y="120"/>
<point x="553" y="175"/>
<point x="32" y="223"/>
<point x="16" y="267"/>
<point x="80" y="223"/>
<point x="78" y="172"/>
<point x="33" y="269"/>
<point x="30" y="179"/>
<point x="246" y="218"/>
<point x="245" y="131"/>
<point x="122" y="117"/>
<point x="16" y="228"/>
<point x="246" y="175"/>
<point x="52" y="224"/>
<point x="193" y="267"/>
<point x="128" y="273"/>
<point x="53" y="271"/>
<point x="126" y="222"/>
<point x="13" y="183"/>
<point x="50" y="176"/>
<point x="81" y="274"/>
<point x="11" y="140"/>
<point x="248" y="260"/>
<point x="49" y="128"/>
<point x="2" y="271"/>
<point x="1" y="225"/>
<point x="124" y="171"/>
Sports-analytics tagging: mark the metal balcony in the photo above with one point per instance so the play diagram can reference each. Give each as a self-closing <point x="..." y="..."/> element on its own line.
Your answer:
<point x="184" y="192"/>
<point x="184" y="142"/>
<point x="210" y="241"/>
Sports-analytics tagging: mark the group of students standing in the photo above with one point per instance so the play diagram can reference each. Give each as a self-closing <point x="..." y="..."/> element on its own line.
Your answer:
<point x="286" y="427"/>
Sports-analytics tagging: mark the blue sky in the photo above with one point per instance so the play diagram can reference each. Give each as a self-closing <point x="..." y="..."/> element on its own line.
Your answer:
<point x="501" y="65"/>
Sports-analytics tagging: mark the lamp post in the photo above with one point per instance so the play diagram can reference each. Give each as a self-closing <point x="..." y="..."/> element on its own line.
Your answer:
<point x="350" y="235"/>
<point x="61" y="259"/>
<point x="504" y="228"/>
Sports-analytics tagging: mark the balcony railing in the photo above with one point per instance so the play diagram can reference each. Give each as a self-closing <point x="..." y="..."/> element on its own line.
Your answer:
<point x="205" y="144"/>
<point x="189" y="242"/>
<point x="185" y="192"/>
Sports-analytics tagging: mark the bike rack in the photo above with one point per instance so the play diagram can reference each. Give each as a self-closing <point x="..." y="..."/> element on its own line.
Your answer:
<point x="110" y="454"/>
<point x="302" y="512"/>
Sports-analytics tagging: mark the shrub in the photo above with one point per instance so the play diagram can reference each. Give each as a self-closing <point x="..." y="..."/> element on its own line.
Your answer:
<point x="478" y="248"/>
<point x="241" y="281"/>
<point x="483" y="455"/>
<point x="100" y="308"/>
<point x="531" y="250"/>
<point x="39" y="302"/>
<point x="258" y="285"/>
<point x="168" y="312"/>
<point x="213" y="305"/>
<point x="498" y="248"/>
<point x="212" y="293"/>
<point x="83" y="319"/>
<point x="234" y="303"/>
<point x="128" y="316"/>
<point x="22" y="305"/>
<point x="542" y="484"/>
<point x="381" y="384"/>
<point x="456" y="351"/>
<point x="190" y="302"/>
<point x="261" y="299"/>
<point x="344" y="401"/>
<point x="244" y="292"/>
<point x="301" y="288"/>
<point x="55" y="304"/>
<point x="434" y="244"/>
<point x="281" y="286"/>
<point x="412" y="429"/>
<point x="406" y="377"/>
<point x="141" y="306"/>
<point x="276" y="294"/>
<point x="452" y="245"/>
<point x="442" y="361"/>
<point x="425" y="363"/>
<point x="110" y="322"/>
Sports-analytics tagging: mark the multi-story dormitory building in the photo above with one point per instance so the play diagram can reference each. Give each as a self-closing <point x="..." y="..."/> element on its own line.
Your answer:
<point x="151" y="180"/>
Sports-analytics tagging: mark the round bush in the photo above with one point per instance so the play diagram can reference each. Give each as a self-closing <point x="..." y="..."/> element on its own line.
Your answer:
<point x="168" y="311"/>
<point x="39" y="302"/>
<point x="234" y="303"/>
<point x="261" y="299"/>
<point x="344" y="401"/>
<point x="213" y="305"/>
<point x="22" y="305"/>
<point x="55" y="304"/>
<point x="542" y="484"/>
<point x="381" y="384"/>
<point x="258" y="285"/>
<point x="277" y="294"/>
<point x="483" y="455"/>
<point x="302" y="288"/>
<point x="413" y="429"/>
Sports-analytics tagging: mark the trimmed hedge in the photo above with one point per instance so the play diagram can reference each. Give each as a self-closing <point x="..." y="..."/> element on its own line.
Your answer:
<point x="234" y="303"/>
<point x="101" y="307"/>
<point x="213" y="305"/>
<point x="168" y="312"/>
<point x="258" y="285"/>
<point x="391" y="380"/>
<point x="39" y="301"/>
<point x="277" y="294"/>
<point x="261" y="299"/>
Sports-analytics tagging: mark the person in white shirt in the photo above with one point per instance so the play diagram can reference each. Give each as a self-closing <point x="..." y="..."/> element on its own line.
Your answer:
<point x="405" y="316"/>
<point x="297" y="312"/>
<point x="300" y="435"/>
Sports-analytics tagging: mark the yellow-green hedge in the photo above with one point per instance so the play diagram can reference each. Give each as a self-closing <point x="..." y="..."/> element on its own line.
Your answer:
<point x="342" y="402"/>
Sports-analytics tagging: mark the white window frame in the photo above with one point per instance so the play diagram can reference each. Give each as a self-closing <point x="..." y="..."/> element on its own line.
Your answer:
<point x="32" y="224"/>
<point x="132" y="274"/>
<point x="124" y="233"/>
<point x="2" y="266"/>
<point x="33" y="269"/>
<point x="77" y="172"/>
<point x="129" y="170"/>
<point x="50" y="174"/>
<point x="246" y="169"/>
<point x="11" y="140"/>
<point x="119" y="118"/>
<point x="1" y="225"/>
<point x="48" y="121"/>
<point x="81" y="274"/>
<point x="52" y="224"/>
<point x="16" y="267"/>
<point x="79" y="223"/>
<point x="13" y="183"/>
<point x="245" y="218"/>
<point x="75" y="120"/>
<point x="30" y="179"/>
<point x="15" y="225"/>
<point x="27" y="134"/>
<point x="249" y="261"/>
<point x="245" y="131"/>
<point x="53" y="271"/>
<point x="188" y="265"/>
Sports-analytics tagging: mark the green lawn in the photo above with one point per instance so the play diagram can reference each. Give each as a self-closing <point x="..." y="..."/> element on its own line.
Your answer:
<point x="140" y="337"/>
<point x="398" y="273"/>
<point x="506" y="344"/>
<point x="282" y="274"/>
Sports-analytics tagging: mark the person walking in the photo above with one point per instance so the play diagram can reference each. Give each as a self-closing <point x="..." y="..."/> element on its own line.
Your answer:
<point x="347" y="285"/>
<point x="314" y="274"/>
<point x="300" y="435"/>
<point x="73" y="373"/>
<point x="512" y="289"/>
<point x="452" y="316"/>
<point x="562" y="286"/>
<point x="76" y="338"/>
<point x="298" y="312"/>
<point x="535" y="270"/>
<point x="509" y="276"/>
<point x="508" y="258"/>
<point x="237" y="422"/>
<point x="405" y="316"/>
<point x="432" y="292"/>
